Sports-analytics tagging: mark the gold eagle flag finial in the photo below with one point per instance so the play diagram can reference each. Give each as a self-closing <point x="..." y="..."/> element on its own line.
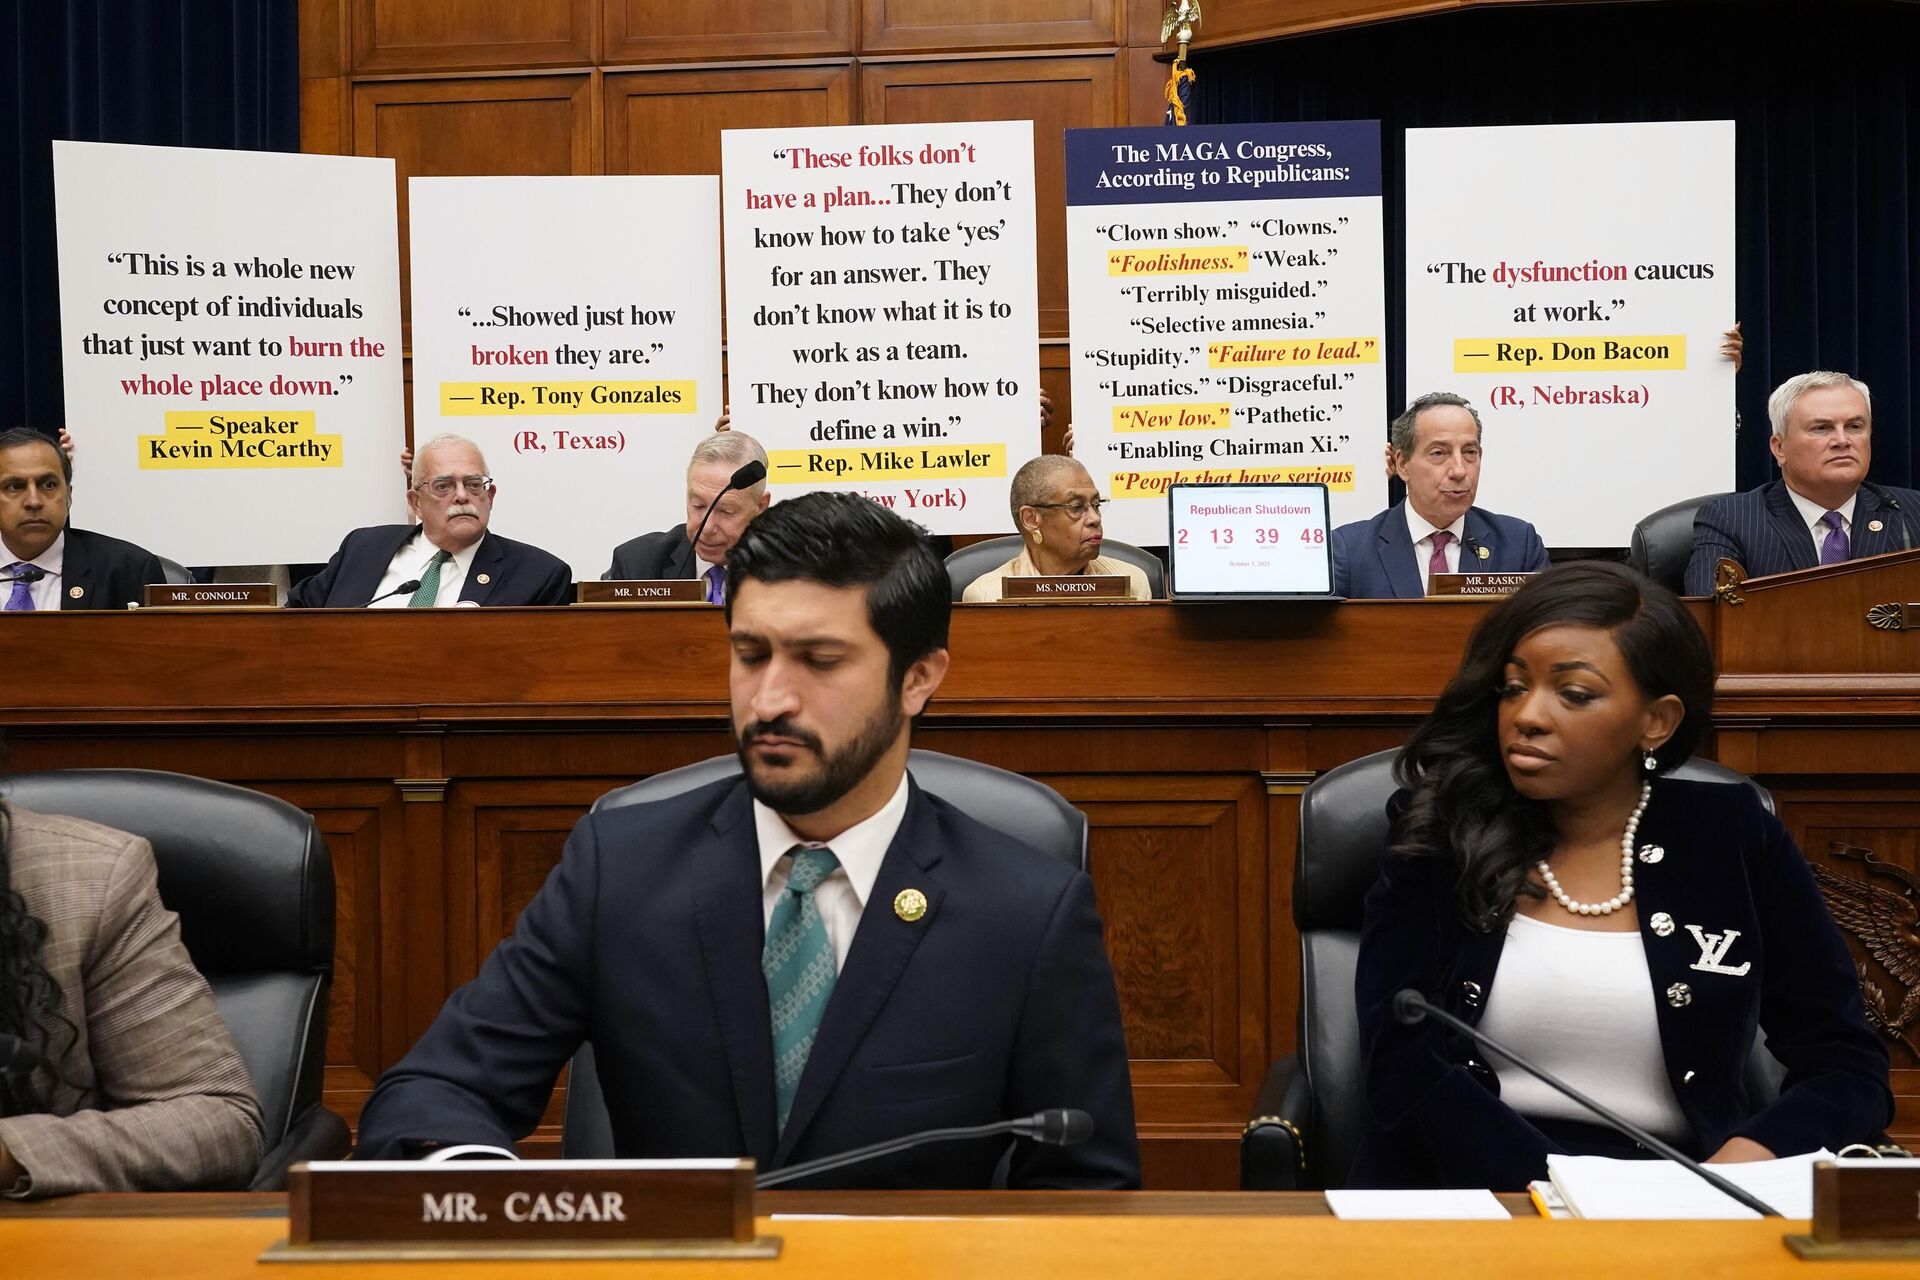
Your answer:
<point x="1177" y="22"/>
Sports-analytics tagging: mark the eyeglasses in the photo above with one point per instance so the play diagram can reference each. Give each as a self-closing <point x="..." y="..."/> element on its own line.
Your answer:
<point x="1077" y="509"/>
<point x="441" y="486"/>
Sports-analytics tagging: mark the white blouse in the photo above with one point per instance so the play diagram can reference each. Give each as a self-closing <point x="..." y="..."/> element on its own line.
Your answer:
<point x="1580" y="1004"/>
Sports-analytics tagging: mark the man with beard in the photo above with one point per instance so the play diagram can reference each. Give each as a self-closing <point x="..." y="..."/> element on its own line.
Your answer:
<point x="448" y="558"/>
<point x="813" y="957"/>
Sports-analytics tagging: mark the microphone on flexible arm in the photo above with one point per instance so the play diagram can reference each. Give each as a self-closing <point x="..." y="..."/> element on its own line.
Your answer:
<point x="1056" y="1127"/>
<point x="33" y="573"/>
<point x="750" y="474"/>
<point x="1885" y="495"/>
<point x="1409" y="1006"/>
<point x="411" y="584"/>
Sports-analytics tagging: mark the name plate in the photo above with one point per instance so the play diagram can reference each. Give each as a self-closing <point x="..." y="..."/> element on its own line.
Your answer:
<point x="1074" y="586"/>
<point x="643" y="591"/>
<point x="551" y="1208"/>
<point x="225" y="595"/>
<point x="1476" y="584"/>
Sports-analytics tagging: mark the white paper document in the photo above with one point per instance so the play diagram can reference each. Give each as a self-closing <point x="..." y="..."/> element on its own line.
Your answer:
<point x="1456" y="1204"/>
<point x="1599" y="1187"/>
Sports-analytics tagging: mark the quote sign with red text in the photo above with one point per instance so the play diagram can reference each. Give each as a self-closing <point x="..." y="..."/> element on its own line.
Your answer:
<point x="230" y="331"/>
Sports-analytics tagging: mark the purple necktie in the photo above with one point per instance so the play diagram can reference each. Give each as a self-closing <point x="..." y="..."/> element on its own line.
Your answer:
<point x="1835" y="548"/>
<point x="1437" y="562"/>
<point x="717" y="584"/>
<point x="21" y="601"/>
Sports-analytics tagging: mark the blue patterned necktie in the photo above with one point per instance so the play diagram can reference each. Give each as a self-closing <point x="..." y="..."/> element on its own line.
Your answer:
<point x="21" y="601"/>
<point x="799" y="966"/>
<point x="1836" y="546"/>
<point x="716" y="584"/>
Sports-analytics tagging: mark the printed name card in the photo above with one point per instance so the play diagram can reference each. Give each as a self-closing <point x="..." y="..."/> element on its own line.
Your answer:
<point x="545" y="1208"/>
<point x="1075" y="586"/>
<point x="642" y="591"/>
<point x="226" y="595"/>
<point x="1476" y="584"/>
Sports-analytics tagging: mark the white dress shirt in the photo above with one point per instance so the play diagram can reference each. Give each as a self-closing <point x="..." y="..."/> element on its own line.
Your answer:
<point x="841" y="896"/>
<point x="1423" y="543"/>
<point x="411" y="562"/>
<point x="1813" y="513"/>
<point x="46" y="593"/>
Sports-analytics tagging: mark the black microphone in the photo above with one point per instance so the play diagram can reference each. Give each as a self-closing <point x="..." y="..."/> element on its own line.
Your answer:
<point x="1409" y="1006"/>
<point x="411" y="584"/>
<point x="750" y="474"/>
<point x="1885" y="495"/>
<point x="28" y="573"/>
<point x="17" y="1057"/>
<point x="1057" y="1127"/>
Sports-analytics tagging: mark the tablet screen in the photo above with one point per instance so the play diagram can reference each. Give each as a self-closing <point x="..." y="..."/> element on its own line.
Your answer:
<point x="1249" y="540"/>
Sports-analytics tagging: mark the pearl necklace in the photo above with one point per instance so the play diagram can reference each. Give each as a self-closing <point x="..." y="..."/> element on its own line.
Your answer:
<point x="1625" y="895"/>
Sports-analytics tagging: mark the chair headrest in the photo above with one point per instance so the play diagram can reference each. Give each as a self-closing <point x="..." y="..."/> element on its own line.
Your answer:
<point x="248" y="875"/>
<point x="1662" y="542"/>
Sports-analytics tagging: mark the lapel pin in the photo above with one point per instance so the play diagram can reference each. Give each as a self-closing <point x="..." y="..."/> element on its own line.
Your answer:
<point x="1482" y="552"/>
<point x="483" y="579"/>
<point x="910" y="905"/>
<point x="76" y="592"/>
<point x="1875" y="526"/>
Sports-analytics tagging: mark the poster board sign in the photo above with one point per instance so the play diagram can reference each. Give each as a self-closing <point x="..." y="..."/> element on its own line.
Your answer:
<point x="882" y="320"/>
<point x="570" y="326"/>
<point x="1228" y="313"/>
<point x="1574" y="282"/>
<point x="230" y="329"/>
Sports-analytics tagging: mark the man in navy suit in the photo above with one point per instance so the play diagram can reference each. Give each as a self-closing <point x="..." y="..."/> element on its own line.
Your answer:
<point x="1823" y="509"/>
<point x="1435" y="449"/>
<point x="672" y="553"/>
<point x="48" y="564"/>
<point x="813" y="957"/>
<point x="449" y="558"/>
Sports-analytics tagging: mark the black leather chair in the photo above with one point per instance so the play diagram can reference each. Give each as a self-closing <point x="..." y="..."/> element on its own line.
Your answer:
<point x="969" y="563"/>
<point x="252" y="882"/>
<point x="177" y="574"/>
<point x="1311" y="1112"/>
<point x="1663" y="542"/>
<point x="1027" y="810"/>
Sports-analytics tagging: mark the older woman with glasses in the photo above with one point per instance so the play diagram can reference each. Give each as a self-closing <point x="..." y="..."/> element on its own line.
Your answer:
<point x="1057" y="510"/>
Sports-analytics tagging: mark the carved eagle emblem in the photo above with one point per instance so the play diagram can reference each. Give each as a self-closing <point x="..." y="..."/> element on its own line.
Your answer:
<point x="1881" y="910"/>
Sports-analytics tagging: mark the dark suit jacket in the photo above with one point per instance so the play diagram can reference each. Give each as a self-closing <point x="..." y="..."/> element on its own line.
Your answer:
<point x="646" y="941"/>
<point x="515" y="572"/>
<point x="1437" y="1118"/>
<point x="110" y="573"/>
<point x="666" y="554"/>
<point x="1374" y="559"/>
<point x="1762" y="530"/>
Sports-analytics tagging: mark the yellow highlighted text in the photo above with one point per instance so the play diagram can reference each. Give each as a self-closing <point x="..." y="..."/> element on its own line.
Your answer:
<point x="1154" y="484"/>
<point x="547" y="399"/>
<point x="238" y="440"/>
<point x="902" y="462"/>
<point x="1569" y="355"/>
<point x="1282" y="353"/>
<point x="1192" y="260"/>
<point x="1172" y="417"/>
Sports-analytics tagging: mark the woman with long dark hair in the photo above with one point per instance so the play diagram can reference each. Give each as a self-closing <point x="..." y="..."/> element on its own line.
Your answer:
<point x="116" y="1071"/>
<point x="1628" y="930"/>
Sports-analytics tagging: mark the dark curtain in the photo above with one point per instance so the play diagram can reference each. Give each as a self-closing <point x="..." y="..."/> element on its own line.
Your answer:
<point x="1827" y="100"/>
<point x="193" y="73"/>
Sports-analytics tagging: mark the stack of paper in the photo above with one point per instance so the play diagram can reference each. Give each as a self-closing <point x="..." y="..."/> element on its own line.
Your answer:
<point x="1599" y="1187"/>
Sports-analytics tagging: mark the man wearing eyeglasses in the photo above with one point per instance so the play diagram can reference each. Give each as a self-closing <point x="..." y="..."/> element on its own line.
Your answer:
<point x="1057" y="511"/>
<point x="449" y="558"/>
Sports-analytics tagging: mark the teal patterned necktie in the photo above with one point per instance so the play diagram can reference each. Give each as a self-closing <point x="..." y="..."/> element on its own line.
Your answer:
<point x="798" y="963"/>
<point x="429" y="588"/>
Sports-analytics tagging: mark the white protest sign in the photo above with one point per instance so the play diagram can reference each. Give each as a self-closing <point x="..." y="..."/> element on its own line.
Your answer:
<point x="230" y="327"/>
<point x="571" y="328"/>
<point x="1227" y="312"/>
<point x="882" y="324"/>
<point x="1573" y="282"/>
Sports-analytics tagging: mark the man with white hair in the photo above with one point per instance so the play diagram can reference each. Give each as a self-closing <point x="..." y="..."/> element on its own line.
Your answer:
<point x="448" y="558"/>
<point x="716" y="514"/>
<point x="1823" y="509"/>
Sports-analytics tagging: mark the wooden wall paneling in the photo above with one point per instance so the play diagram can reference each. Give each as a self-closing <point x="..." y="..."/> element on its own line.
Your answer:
<point x="1146" y="87"/>
<point x="474" y="125"/>
<point x="1056" y="93"/>
<point x="668" y="31"/>
<point x="670" y="121"/>
<point x="471" y="35"/>
<point x="1056" y="379"/>
<point x="925" y="26"/>
<point x="1283" y="791"/>
<point x="326" y="107"/>
<point x="503" y="838"/>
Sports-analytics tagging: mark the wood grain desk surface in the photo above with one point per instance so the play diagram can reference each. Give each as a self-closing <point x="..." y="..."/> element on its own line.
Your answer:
<point x="1006" y="1237"/>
